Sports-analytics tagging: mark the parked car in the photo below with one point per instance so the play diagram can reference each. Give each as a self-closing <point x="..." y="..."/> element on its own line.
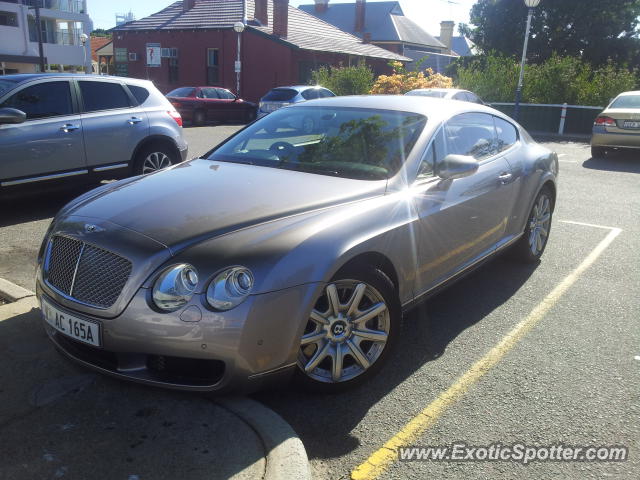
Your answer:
<point x="282" y="96"/>
<point x="285" y="253"/>
<point x="618" y="126"/>
<point x="447" y="93"/>
<point x="211" y="104"/>
<point x="58" y="127"/>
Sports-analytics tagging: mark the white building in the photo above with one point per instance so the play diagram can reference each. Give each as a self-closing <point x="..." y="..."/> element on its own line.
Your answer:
<point x="62" y="22"/>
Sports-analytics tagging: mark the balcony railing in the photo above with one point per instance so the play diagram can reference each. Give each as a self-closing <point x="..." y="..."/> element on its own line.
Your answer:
<point x="72" y="6"/>
<point x="58" y="38"/>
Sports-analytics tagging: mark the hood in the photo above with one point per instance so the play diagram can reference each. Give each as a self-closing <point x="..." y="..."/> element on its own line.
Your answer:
<point x="203" y="199"/>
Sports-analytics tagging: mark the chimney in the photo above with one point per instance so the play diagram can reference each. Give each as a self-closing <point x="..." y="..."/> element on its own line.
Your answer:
<point x="366" y="38"/>
<point x="446" y="35"/>
<point x="188" y="5"/>
<point x="261" y="12"/>
<point x="280" y="18"/>
<point x="361" y="11"/>
<point x="322" y="6"/>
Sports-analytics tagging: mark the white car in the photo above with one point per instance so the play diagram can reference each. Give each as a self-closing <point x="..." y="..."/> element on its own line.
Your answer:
<point x="447" y="93"/>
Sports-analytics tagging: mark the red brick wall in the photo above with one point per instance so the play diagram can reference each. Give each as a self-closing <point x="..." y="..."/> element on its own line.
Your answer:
<point x="266" y="62"/>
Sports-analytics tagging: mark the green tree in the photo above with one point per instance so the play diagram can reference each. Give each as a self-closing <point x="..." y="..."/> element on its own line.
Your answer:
<point x="592" y="30"/>
<point x="101" y="32"/>
<point x="353" y="80"/>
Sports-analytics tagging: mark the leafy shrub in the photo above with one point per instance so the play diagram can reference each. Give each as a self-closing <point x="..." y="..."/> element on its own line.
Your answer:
<point x="557" y="80"/>
<point x="353" y="80"/>
<point x="403" y="81"/>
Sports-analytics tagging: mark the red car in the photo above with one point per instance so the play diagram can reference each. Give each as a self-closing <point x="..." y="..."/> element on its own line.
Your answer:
<point x="214" y="104"/>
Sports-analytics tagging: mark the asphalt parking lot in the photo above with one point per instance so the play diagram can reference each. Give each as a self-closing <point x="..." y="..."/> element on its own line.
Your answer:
<point x="569" y="373"/>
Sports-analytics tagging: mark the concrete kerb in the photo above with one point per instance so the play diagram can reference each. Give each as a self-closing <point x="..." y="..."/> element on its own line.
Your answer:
<point x="285" y="454"/>
<point x="12" y="292"/>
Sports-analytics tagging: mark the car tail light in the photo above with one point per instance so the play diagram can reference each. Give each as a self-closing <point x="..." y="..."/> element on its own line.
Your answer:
<point x="605" y="122"/>
<point x="176" y="104"/>
<point x="176" y="116"/>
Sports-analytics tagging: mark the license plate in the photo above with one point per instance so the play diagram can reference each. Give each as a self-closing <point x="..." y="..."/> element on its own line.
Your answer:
<point x="74" y="327"/>
<point x="631" y="124"/>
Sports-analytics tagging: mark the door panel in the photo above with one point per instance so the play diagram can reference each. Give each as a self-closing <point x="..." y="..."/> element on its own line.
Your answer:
<point x="111" y="128"/>
<point x="463" y="219"/>
<point x="49" y="141"/>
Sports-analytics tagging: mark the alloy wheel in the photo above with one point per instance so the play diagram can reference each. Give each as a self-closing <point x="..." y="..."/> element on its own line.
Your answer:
<point x="155" y="161"/>
<point x="346" y="333"/>
<point x="539" y="224"/>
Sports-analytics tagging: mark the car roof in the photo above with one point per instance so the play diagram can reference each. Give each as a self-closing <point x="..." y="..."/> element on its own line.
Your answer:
<point x="299" y="88"/>
<point x="26" y="77"/>
<point x="633" y="92"/>
<point x="453" y="90"/>
<point x="434" y="108"/>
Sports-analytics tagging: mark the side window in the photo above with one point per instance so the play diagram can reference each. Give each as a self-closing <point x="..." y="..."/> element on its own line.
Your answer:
<point x="433" y="156"/>
<point x="324" y="93"/>
<point x="507" y="134"/>
<point x="460" y="96"/>
<point x="141" y="94"/>
<point x="50" y="99"/>
<point x="310" y="94"/>
<point x="98" y="96"/>
<point x="471" y="134"/>
<point x="210" y="93"/>
<point x="225" y="94"/>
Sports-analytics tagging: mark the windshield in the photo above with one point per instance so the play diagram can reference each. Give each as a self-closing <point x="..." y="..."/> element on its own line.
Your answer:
<point x="354" y="143"/>
<point x="427" y="93"/>
<point x="626" y="101"/>
<point x="280" y="95"/>
<point x="6" y="85"/>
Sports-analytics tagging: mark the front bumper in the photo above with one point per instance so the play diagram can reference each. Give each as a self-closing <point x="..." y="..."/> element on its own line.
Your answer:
<point x="241" y="350"/>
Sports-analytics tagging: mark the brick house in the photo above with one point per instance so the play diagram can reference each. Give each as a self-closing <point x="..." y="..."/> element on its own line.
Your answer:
<point x="281" y="45"/>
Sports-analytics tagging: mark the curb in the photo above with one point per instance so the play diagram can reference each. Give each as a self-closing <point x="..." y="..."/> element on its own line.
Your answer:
<point x="549" y="136"/>
<point x="12" y="292"/>
<point x="286" y="456"/>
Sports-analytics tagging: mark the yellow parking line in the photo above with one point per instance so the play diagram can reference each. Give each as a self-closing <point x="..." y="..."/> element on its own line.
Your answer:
<point x="381" y="459"/>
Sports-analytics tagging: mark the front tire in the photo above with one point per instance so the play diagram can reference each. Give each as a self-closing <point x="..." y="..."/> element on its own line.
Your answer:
<point x="533" y="242"/>
<point x="351" y="331"/>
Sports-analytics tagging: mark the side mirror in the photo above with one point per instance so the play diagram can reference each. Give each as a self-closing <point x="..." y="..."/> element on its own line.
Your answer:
<point x="12" y="116"/>
<point x="457" y="166"/>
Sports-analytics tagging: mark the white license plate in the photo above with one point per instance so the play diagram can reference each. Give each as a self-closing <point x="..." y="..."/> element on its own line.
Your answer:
<point x="74" y="327"/>
<point x="629" y="124"/>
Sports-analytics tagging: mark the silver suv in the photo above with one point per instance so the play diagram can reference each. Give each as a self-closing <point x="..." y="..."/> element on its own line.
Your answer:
<point x="88" y="127"/>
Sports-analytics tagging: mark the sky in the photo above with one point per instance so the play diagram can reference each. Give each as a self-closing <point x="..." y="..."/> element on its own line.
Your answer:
<point x="426" y="13"/>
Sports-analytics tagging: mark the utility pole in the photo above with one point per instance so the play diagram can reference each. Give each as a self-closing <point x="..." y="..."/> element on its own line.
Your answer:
<point x="39" y="35"/>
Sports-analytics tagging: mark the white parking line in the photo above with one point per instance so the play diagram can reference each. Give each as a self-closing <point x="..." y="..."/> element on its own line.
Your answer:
<point x="604" y="227"/>
<point x="385" y="456"/>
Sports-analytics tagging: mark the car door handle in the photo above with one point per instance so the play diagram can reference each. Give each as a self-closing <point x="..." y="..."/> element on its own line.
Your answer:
<point x="504" y="177"/>
<point x="69" y="128"/>
<point x="134" y="120"/>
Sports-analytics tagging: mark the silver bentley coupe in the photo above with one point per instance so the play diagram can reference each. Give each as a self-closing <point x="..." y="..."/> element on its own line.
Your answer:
<point x="288" y="252"/>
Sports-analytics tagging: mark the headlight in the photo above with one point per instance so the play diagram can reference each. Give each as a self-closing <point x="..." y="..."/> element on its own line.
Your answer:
<point x="230" y="288"/>
<point x="175" y="286"/>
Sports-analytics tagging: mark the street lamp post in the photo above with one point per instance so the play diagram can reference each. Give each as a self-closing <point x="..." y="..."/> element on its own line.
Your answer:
<point x="531" y="4"/>
<point x="239" y="28"/>
<point x="83" y="39"/>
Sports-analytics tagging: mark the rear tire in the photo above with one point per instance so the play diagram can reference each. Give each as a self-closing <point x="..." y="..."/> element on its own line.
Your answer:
<point x="598" y="152"/>
<point x="198" y="118"/>
<point x="530" y="247"/>
<point x="153" y="158"/>
<point x="340" y="351"/>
